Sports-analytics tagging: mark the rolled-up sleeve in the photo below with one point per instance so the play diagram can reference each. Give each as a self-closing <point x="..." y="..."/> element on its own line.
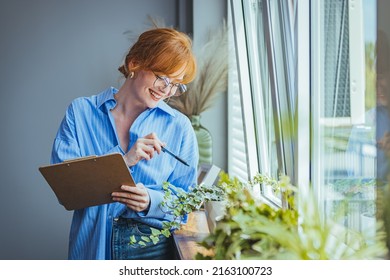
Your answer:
<point x="65" y="144"/>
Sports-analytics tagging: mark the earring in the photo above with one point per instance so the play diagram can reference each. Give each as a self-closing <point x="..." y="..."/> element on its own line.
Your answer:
<point x="131" y="75"/>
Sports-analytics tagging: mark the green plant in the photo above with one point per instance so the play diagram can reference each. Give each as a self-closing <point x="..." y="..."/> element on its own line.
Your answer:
<point x="179" y="204"/>
<point x="239" y="234"/>
<point x="356" y="191"/>
<point x="251" y="229"/>
<point x="353" y="187"/>
<point x="386" y="214"/>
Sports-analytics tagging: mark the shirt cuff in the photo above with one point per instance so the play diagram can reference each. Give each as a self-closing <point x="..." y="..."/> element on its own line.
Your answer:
<point x="155" y="209"/>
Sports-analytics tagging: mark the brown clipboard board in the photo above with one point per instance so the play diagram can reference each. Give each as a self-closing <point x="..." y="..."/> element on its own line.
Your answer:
<point x="87" y="181"/>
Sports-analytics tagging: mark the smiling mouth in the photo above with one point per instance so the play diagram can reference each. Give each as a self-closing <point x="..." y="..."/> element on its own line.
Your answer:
<point x="155" y="95"/>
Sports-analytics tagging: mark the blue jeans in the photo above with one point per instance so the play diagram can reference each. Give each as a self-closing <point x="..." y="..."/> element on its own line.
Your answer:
<point x="123" y="228"/>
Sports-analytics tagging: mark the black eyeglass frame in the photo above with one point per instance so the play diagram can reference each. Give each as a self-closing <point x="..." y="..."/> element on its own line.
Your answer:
<point x="180" y="88"/>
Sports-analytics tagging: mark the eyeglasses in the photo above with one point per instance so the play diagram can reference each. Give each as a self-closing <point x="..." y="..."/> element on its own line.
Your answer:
<point x="174" y="89"/>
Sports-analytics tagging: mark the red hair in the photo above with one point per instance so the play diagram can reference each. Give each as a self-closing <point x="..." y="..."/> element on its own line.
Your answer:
<point x="163" y="51"/>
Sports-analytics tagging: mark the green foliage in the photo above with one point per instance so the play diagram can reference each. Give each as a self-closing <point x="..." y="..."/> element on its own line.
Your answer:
<point x="352" y="187"/>
<point x="179" y="204"/>
<point x="386" y="214"/>
<point x="243" y="232"/>
<point x="252" y="229"/>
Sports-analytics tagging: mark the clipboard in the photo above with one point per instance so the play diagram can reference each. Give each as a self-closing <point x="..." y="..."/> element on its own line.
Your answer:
<point x="87" y="181"/>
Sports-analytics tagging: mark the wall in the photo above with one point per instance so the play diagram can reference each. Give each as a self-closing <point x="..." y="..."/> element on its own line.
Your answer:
<point x="208" y="16"/>
<point x="51" y="52"/>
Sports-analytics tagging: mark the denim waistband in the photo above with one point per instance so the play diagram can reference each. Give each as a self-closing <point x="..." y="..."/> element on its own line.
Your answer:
<point x="121" y="221"/>
<point x="123" y="229"/>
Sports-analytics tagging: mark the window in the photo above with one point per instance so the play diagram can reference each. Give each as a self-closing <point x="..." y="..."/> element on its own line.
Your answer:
<point x="344" y="158"/>
<point x="238" y="159"/>
<point x="305" y="102"/>
<point x="265" y="69"/>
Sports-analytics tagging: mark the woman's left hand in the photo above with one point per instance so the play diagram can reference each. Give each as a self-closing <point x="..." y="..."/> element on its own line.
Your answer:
<point x="136" y="198"/>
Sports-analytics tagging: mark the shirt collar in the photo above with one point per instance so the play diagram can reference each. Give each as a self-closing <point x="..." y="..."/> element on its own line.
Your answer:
<point x="166" y="108"/>
<point x="107" y="96"/>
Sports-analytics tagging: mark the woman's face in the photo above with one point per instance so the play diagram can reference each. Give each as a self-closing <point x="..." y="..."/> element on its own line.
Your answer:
<point x="150" y="88"/>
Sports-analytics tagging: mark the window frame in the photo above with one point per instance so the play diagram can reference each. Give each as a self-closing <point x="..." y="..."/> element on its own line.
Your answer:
<point x="245" y="88"/>
<point x="251" y="91"/>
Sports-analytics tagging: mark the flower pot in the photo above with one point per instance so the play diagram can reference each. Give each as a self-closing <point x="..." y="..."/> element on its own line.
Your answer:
<point x="205" y="142"/>
<point x="214" y="210"/>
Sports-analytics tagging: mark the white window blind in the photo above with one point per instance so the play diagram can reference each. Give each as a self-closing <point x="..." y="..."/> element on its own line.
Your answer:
<point x="237" y="152"/>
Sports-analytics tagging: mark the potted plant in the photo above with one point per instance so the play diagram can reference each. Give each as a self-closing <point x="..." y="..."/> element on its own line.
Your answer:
<point x="215" y="208"/>
<point x="179" y="204"/>
<point x="251" y="229"/>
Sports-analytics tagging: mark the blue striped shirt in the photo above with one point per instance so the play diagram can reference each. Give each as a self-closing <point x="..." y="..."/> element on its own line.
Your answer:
<point x="88" y="128"/>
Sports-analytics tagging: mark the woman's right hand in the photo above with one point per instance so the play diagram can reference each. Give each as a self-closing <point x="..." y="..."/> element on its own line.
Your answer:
<point x="143" y="148"/>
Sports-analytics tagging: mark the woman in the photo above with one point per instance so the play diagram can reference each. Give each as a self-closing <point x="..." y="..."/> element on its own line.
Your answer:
<point x="136" y="122"/>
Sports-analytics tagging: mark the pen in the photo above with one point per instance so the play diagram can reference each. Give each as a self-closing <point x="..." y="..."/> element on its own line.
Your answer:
<point x="165" y="150"/>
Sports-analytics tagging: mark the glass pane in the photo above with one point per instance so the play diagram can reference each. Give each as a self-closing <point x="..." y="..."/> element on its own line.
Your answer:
<point x="238" y="156"/>
<point x="271" y="59"/>
<point x="254" y="13"/>
<point x="347" y="130"/>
